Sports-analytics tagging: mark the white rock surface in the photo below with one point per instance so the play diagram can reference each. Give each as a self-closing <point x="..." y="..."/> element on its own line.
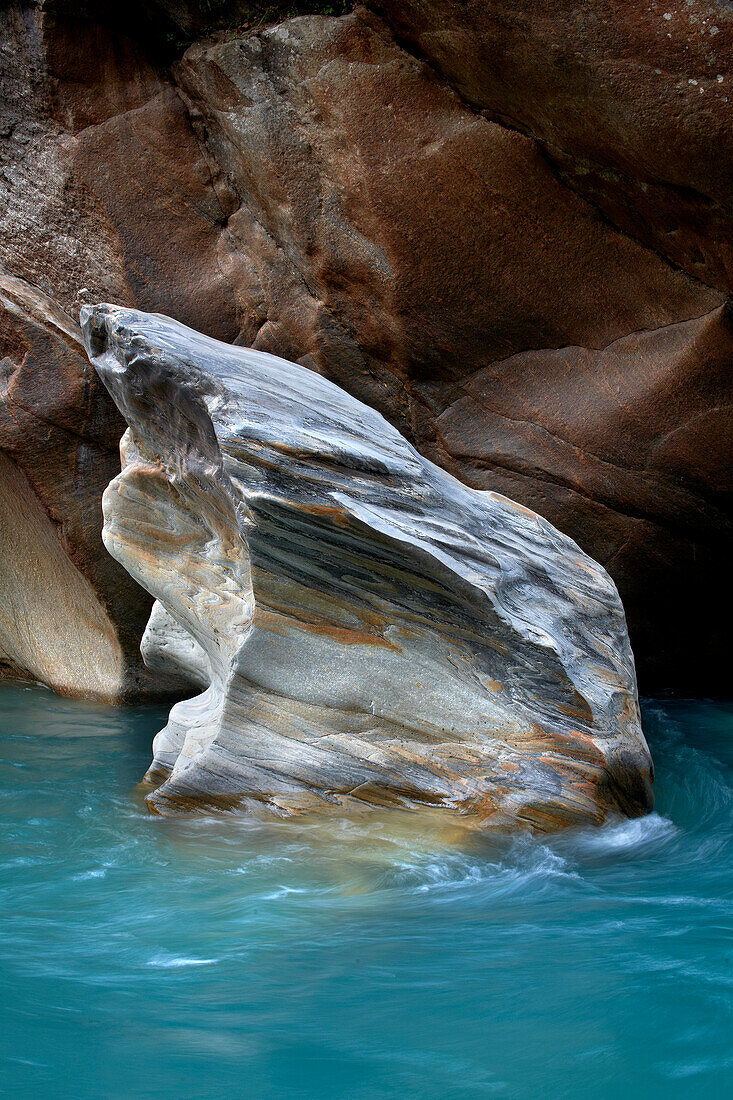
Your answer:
<point x="367" y="630"/>
<point x="52" y="625"/>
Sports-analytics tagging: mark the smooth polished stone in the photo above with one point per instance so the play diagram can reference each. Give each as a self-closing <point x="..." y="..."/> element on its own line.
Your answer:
<point x="367" y="629"/>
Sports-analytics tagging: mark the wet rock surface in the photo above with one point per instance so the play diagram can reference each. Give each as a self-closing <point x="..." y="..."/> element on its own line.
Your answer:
<point x="433" y="205"/>
<point x="369" y="631"/>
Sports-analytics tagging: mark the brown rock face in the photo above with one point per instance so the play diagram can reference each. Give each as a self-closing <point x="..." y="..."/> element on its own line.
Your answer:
<point x="430" y="250"/>
<point x="502" y="227"/>
<point x="69" y="616"/>
<point x="397" y="238"/>
<point x="82" y="105"/>
<point x="631" y="103"/>
<point x="637" y="436"/>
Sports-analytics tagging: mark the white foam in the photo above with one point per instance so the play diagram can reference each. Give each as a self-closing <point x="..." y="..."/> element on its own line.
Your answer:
<point x="168" y="962"/>
<point x="624" y="837"/>
<point x="281" y="892"/>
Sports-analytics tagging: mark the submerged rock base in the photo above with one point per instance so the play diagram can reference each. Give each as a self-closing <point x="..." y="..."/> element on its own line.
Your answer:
<point x="366" y="630"/>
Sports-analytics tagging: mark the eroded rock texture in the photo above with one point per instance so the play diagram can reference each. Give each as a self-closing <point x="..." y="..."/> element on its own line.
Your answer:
<point x="89" y="126"/>
<point x="506" y="227"/>
<point x="630" y="102"/>
<point x="371" y="631"/>
<point x="69" y="616"/>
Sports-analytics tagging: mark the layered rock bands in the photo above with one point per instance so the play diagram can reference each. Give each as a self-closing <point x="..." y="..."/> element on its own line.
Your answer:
<point x="367" y="630"/>
<point x="505" y="226"/>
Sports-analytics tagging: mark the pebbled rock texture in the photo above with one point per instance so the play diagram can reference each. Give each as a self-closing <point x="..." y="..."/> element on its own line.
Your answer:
<point x="428" y="204"/>
<point x="370" y="630"/>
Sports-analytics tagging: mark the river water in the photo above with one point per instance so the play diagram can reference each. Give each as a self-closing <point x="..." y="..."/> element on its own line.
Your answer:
<point x="150" y="957"/>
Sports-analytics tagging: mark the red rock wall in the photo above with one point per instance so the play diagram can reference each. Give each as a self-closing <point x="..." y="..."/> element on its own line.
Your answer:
<point x="502" y="227"/>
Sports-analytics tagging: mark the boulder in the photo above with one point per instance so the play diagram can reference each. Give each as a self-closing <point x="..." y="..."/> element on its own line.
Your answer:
<point x="368" y="631"/>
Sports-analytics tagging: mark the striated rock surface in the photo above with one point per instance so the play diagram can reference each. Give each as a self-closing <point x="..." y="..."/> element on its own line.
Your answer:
<point x="368" y="631"/>
<point x="432" y="204"/>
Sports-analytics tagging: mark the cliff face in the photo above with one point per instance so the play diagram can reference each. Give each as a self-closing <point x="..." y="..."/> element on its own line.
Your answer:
<point x="505" y="228"/>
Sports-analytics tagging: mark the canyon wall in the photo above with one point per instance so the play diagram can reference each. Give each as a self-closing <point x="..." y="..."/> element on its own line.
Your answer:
<point x="506" y="228"/>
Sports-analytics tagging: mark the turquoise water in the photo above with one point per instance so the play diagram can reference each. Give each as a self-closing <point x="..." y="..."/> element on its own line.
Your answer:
<point x="153" y="957"/>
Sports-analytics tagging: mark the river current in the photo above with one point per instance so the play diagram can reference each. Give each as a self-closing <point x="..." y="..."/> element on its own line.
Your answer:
<point x="152" y="957"/>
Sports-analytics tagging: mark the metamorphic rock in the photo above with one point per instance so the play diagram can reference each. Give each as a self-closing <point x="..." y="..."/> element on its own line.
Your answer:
<point x="366" y="630"/>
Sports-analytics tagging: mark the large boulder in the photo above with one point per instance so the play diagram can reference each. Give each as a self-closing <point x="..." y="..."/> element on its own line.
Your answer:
<point x="369" y="631"/>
